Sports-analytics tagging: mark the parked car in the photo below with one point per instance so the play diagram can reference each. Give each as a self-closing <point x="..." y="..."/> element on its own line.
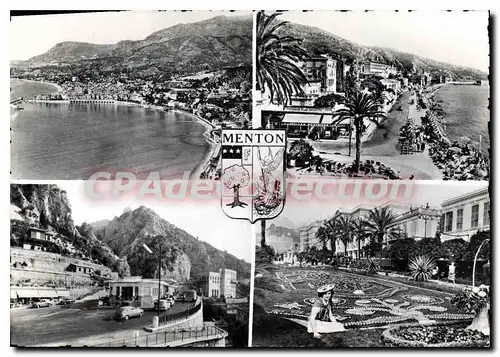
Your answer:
<point x="42" y="303"/>
<point x="164" y="305"/>
<point x="66" y="301"/>
<point x="171" y="300"/>
<point x="126" y="312"/>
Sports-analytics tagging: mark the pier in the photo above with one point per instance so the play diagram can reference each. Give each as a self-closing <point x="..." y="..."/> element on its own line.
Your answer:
<point x="467" y="83"/>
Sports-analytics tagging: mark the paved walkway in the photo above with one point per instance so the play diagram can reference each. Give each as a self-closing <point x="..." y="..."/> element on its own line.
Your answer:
<point x="382" y="146"/>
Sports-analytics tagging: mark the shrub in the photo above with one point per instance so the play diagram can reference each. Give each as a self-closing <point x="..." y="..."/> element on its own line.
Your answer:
<point x="471" y="300"/>
<point x="421" y="268"/>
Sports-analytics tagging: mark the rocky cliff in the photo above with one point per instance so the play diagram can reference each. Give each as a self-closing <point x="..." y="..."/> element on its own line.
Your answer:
<point x="44" y="206"/>
<point x="47" y="206"/>
<point x="126" y="234"/>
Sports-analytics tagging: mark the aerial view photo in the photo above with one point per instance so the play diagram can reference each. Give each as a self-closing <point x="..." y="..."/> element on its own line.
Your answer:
<point x="135" y="92"/>
<point x="377" y="94"/>
<point x="124" y="273"/>
<point x="399" y="273"/>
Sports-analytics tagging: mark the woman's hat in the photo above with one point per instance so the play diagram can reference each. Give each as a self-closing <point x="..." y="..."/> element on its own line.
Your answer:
<point x="325" y="288"/>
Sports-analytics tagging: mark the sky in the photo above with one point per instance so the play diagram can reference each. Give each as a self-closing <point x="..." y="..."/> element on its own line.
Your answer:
<point x="203" y="220"/>
<point x="432" y="192"/>
<point x="459" y="38"/>
<point x="33" y="35"/>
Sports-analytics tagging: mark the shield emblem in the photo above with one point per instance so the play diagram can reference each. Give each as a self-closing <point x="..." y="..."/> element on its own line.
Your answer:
<point x="253" y="173"/>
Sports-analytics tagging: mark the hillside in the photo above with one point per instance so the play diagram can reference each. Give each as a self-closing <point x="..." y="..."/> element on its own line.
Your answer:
<point x="126" y="234"/>
<point x="117" y="243"/>
<point x="280" y="238"/>
<point x="47" y="206"/>
<point x="317" y="41"/>
<point x="212" y="44"/>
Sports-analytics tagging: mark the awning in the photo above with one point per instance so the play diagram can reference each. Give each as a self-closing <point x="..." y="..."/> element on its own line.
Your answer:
<point x="27" y="293"/>
<point x="47" y="293"/>
<point x="62" y="293"/>
<point x="302" y="118"/>
<point x="13" y="294"/>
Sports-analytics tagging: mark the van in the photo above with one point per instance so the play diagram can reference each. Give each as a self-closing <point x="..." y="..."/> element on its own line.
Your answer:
<point x="190" y="295"/>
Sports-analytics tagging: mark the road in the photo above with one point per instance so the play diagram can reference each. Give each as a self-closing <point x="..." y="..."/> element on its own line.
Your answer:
<point x="59" y="324"/>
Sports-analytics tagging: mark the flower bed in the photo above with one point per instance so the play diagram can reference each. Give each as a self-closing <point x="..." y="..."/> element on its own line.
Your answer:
<point x="438" y="335"/>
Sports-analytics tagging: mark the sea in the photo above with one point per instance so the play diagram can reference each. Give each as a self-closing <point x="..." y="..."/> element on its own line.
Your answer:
<point x="73" y="141"/>
<point x="466" y="112"/>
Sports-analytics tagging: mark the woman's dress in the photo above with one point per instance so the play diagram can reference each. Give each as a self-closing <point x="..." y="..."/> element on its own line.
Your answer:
<point x="324" y="323"/>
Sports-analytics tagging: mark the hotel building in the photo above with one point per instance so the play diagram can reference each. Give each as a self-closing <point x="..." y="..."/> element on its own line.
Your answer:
<point x="464" y="215"/>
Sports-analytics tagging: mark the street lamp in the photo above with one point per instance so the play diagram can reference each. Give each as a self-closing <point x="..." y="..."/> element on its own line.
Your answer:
<point x="475" y="259"/>
<point x="159" y="275"/>
<point x="425" y="216"/>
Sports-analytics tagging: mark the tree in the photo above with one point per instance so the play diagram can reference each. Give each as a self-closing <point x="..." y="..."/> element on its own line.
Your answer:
<point x="276" y="60"/>
<point x="235" y="177"/>
<point x="359" y="107"/>
<point x="329" y="100"/>
<point x="382" y="223"/>
<point x="452" y="249"/>
<point x="344" y="229"/>
<point x="146" y="264"/>
<point x="473" y="246"/>
<point x="300" y="151"/>
<point x="331" y="228"/>
<point x="360" y="231"/>
<point x="376" y="89"/>
<point x="401" y="249"/>
<point x="427" y="246"/>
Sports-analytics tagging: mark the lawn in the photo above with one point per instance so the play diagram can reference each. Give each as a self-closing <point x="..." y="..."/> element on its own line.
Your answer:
<point x="365" y="305"/>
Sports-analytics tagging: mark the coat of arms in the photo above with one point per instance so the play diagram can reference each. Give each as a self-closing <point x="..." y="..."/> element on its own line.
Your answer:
<point x="253" y="179"/>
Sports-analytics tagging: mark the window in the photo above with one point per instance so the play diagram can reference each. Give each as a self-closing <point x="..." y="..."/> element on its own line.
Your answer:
<point x="460" y="219"/>
<point x="474" y="220"/>
<point x="448" y="221"/>
<point x="486" y="214"/>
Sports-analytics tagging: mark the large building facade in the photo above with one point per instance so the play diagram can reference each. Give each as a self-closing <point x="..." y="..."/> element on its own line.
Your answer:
<point x="464" y="215"/>
<point x="416" y="222"/>
<point x="144" y="292"/>
<point x="219" y="284"/>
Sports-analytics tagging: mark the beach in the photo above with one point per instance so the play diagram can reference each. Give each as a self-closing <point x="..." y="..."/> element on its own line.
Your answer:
<point x="214" y="146"/>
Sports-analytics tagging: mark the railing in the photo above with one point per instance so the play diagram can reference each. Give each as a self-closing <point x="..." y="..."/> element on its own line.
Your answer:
<point x="178" y="316"/>
<point x="163" y="338"/>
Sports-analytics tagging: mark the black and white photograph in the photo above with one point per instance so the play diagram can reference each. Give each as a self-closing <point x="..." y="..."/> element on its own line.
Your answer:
<point x="377" y="94"/>
<point x="125" y="273"/>
<point x="135" y="92"/>
<point x="412" y="273"/>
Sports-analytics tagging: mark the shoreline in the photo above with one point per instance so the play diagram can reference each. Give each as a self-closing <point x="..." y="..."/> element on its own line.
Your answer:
<point x="210" y="153"/>
<point x="57" y="86"/>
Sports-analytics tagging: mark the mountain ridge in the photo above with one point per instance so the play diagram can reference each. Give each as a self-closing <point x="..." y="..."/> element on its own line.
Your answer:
<point x="318" y="41"/>
<point x="182" y="46"/>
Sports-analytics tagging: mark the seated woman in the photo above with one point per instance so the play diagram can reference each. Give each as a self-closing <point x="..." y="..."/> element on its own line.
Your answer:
<point x="321" y="319"/>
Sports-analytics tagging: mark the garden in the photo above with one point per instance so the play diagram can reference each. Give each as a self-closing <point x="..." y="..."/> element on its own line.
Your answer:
<point x="375" y="311"/>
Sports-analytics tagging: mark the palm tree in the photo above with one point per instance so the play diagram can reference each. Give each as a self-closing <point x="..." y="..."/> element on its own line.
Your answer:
<point x="359" y="107"/>
<point x="276" y="60"/>
<point x="360" y="231"/>
<point x="382" y="223"/>
<point x="331" y="227"/>
<point x="344" y="230"/>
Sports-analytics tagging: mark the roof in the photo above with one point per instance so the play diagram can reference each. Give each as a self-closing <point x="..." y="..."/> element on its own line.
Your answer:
<point x="466" y="196"/>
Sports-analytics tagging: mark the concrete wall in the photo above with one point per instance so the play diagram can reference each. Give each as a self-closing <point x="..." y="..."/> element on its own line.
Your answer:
<point x="40" y="277"/>
<point x="44" y="267"/>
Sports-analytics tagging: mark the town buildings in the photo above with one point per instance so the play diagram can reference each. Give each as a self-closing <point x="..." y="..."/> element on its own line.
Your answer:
<point x="376" y="68"/>
<point x="416" y="222"/>
<point x="219" y="284"/>
<point x="464" y="215"/>
<point x="308" y="237"/>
